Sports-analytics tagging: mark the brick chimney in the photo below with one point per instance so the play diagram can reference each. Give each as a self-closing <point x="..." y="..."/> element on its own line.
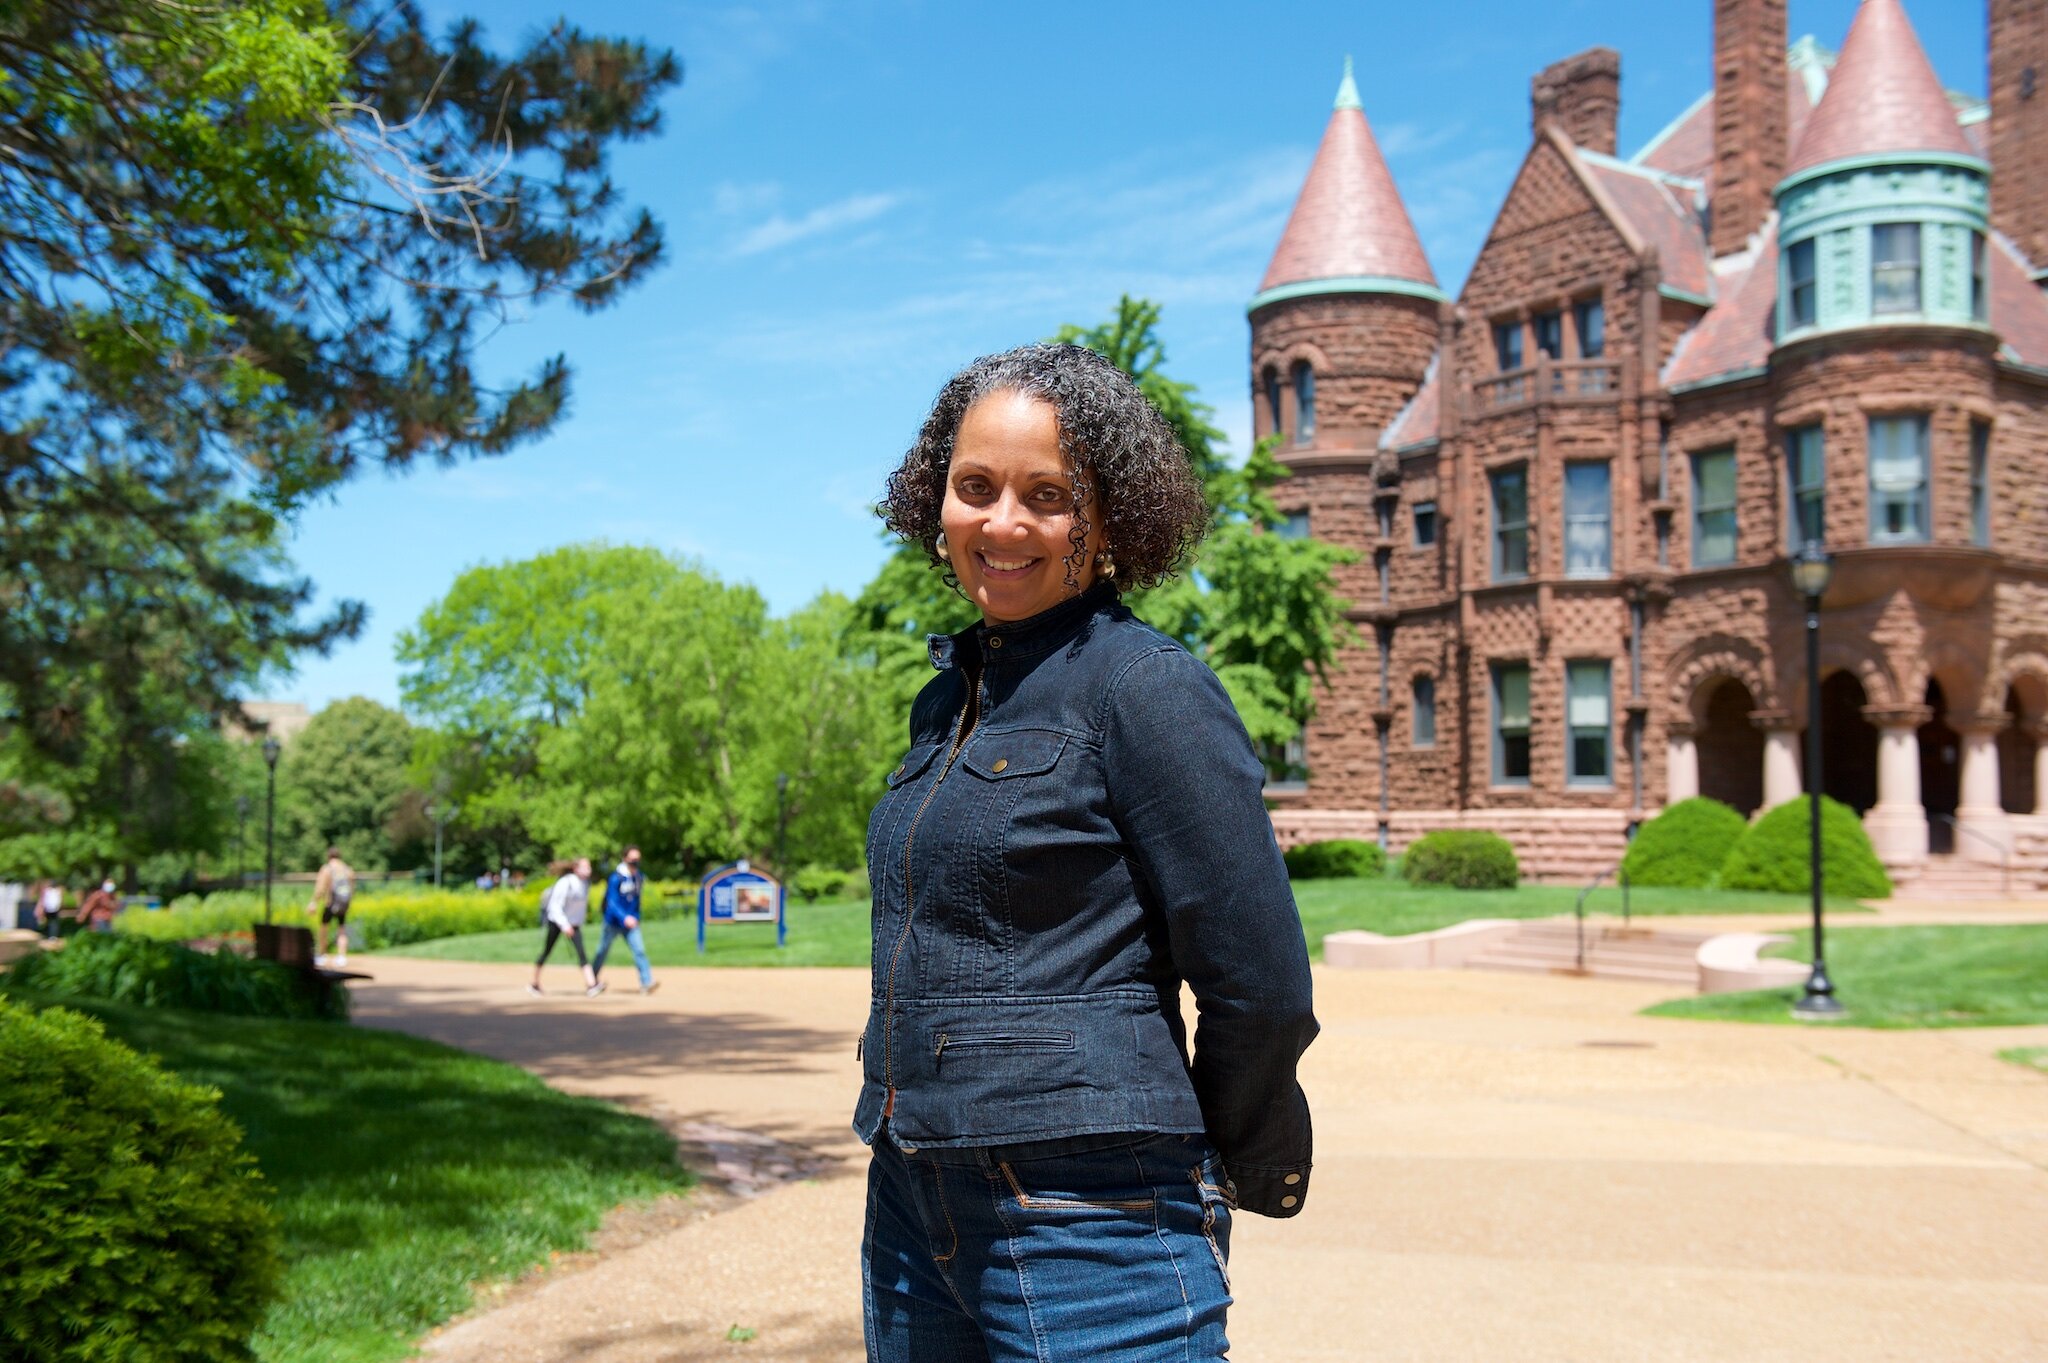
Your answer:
<point x="2018" y="33"/>
<point x="1750" y="37"/>
<point x="1582" y="95"/>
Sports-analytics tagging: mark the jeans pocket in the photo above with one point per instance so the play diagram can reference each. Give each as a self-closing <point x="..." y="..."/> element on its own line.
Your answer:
<point x="1094" y="1181"/>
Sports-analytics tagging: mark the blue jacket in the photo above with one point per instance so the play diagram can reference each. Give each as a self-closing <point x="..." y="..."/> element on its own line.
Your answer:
<point x="1079" y="827"/>
<point x="622" y="896"/>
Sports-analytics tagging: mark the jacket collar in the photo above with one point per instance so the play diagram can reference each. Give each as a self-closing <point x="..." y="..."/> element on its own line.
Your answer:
<point x="1042" y="633"/>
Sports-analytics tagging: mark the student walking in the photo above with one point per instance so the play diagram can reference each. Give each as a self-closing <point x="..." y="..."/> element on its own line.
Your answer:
<point x="50" y="907"/>
<point x="562" y="912"/>
<point x="334" y="889"/>
<point x="622" y="918"/>
<point x="96" y="914"/>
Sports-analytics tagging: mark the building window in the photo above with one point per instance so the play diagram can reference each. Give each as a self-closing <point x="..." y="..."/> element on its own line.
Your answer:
<point x="1806" y="480"/>
<point x="1895" y="267"/>
<point x="1511" y="724"/>
<point x="1507" y="345"/>
<point x="1713" y="508"/>
<point x="1510" y="523"/>
<point x="1549" y="328"/>
<point x="1272" y="382"/>
<point x="1588" y="521"/>
<point x="1591" y="318"/>
<point x="1898" y="478"/>
<point x="1425" y="524"/>
<point x="1799" y="287"/>
<point x="1295" y="526"/>
<point x="1304" y="403"/>
<point x="1980" y="483"/>
<point x="1286" y="764"/>
<point x="1589" y="711"/>
<point x="1422" y="712"/>
<point x="1980" y="286"/>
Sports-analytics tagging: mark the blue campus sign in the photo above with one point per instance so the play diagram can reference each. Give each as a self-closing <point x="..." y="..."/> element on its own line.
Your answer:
<point x="737" y="893"/>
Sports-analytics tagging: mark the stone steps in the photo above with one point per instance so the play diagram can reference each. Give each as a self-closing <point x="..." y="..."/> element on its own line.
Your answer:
<point x="1953" y="878"/>
<point x="1611" y="953"/>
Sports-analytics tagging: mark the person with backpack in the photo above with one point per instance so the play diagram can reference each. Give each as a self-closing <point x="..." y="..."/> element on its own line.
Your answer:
<point x="563" y="906"/>
<point x="334" y="889"/>
<point x="622" y="918"/>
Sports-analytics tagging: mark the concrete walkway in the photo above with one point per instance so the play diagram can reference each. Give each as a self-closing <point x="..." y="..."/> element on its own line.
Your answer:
<point x="1508" y="1168"/>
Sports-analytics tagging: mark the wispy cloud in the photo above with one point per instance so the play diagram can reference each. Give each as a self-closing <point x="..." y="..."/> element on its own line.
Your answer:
<point x="779" y="230"/>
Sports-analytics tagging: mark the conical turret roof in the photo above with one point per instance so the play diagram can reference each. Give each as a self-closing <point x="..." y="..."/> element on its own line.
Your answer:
<point x="1349" y="223"/>
<point x="1882" y="98"/>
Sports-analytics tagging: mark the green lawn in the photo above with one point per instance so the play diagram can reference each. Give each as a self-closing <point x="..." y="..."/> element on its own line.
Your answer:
<point x="837" y="933"/>
<point x="404" y="1171"/>
<point x="2032" y="1057"/>
<point x="1908" y="977"/>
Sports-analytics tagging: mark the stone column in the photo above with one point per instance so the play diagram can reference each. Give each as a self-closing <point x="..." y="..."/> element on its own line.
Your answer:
<point x="1681" y="763"/>
<point x="2041" y="769"/>
<point x="1782" y="767"/>
<point x="1898" y="823"/>
<point x="1978" y="812"/>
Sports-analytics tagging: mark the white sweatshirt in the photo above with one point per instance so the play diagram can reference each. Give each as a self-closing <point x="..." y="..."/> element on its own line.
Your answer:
<point x="568" y="902"/>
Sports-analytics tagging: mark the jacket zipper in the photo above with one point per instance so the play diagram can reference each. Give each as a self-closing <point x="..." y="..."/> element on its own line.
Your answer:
<point x="1002" y="1041"/>
<point x="970" y="716"/>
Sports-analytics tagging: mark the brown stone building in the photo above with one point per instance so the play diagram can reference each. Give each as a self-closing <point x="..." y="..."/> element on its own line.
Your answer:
<point x="1808" y="309"/>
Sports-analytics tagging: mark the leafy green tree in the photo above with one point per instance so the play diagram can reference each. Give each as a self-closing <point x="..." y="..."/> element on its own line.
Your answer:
<point x="247" y="251"/>
<point x="343" y="779"/>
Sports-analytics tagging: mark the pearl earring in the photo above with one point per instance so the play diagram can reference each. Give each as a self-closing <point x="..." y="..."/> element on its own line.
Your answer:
<point x="942" y="549"/>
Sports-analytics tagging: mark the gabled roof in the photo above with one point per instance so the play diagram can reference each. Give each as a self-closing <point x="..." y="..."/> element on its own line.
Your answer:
<point x="1664" y="212"/>
<point x="1419" y="422"/>
<point x="1349" y="223"/>
<point x="1735" y="336"/>
<point x="1882" y="97"/>
<point x="2019" y="310"/>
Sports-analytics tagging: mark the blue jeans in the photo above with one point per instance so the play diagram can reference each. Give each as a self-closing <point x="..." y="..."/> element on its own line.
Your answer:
<point x="1090" y="1249"/>
<point x="633" y="942"/>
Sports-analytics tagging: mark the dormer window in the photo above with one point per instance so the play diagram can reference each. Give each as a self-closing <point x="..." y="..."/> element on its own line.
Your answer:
<point x="1304" y="403"/>
<point x="1980" y="288"/>
<point x="1591" y="318"/>
<point x="1895" y="267"/>
<point x="1507" y="345"/>
<point x="1549" y="327"/>
<point x="1799" y="286"/>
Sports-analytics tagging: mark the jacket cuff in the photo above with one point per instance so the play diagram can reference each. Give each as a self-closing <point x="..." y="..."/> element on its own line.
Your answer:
<point x="1270" y="1192"/>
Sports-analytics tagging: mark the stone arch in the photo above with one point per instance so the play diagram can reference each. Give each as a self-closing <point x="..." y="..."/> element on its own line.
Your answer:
<point x="1696" y="667"/>
<point x="1859" y="661"/>
<point x="1731" y="747"/>
<point x="2022" y="670"/>
<point x="1960" y="673"/>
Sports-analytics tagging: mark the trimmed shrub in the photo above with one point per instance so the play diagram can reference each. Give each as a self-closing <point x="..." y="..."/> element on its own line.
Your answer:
<point x="1684" y="846"/>
<point x="1775" y="854"/>
<point x="388" y="919"/>
<point x="1469" y="858"/>
<point x="1335" y="858"/>
<point x="136" y="1227"/>
<point x="166" y="975"/>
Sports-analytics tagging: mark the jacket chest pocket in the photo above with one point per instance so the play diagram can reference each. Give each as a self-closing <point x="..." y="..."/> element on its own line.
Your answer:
<point x="1014" y="754"/>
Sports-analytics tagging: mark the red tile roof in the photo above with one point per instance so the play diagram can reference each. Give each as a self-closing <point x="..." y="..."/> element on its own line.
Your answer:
<point x="1882" y="97"/>
<point x="1735" y="335"/>
<point x="2018" y="309"/>
<point x="1418" y="422"/>
<point x="1663" y="216"/>
<point x="1349" y="220"/>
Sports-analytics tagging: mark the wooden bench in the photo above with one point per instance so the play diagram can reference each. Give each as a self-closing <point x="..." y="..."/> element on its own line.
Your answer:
<point x="292" y="947"/>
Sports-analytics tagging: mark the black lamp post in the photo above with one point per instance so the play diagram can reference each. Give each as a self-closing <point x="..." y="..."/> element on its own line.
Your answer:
<point x="271" y="748"/>
<point x="1812" y="569"/>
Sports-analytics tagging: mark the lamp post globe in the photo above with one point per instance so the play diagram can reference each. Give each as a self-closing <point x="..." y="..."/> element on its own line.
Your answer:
<point x="271" y="748"/>
<point x="1812" y="570"/>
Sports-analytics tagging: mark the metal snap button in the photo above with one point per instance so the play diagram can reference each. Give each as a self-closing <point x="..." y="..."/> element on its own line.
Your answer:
<point x="995" y="641"/>
<point x="1289" y="1200"/>
<point x="1291" y="1180"/>
<point x="1000" y="763"/>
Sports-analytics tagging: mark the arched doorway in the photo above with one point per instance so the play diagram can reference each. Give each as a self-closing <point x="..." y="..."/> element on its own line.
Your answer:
<point x="2017" y="793"/>
<point x="1941" y="784"/>
<point x="1731" y="748"/>
<point x="1848" y="743"/>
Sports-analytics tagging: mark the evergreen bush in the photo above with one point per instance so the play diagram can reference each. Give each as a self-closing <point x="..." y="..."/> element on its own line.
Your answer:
<point x="1469" y="858"/>
<point x="1776" y="854"/>
<point x="1335" y="858"/>
<point x="1685" y="845"/>
<point x="166" y="975"/>
<point x="136" y="1230"/>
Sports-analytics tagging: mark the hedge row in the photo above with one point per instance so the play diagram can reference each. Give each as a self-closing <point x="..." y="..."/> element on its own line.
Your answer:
<point x="136" y="1226"/>
<point x="1468" y="858"/>
<point x="166" y="975"/>
<point x="1701" y="842"/>
<point x="385" y="920"/>
<point x="1684" y="846"/>
<point x="1335" y="858"/>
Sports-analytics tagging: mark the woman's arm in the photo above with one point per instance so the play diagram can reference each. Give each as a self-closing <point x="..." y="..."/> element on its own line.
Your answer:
<point x="1186" y="791"/>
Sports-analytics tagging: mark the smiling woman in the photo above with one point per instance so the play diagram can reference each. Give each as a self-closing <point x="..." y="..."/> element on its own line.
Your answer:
<point x="1076" y="830"/>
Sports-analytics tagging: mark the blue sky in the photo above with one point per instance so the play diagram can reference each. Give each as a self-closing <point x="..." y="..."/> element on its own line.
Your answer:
<point x="861" y="196"/>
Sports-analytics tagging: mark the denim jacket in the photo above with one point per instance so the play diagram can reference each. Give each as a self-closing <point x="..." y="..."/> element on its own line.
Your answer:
<point x="1077" y="829"/>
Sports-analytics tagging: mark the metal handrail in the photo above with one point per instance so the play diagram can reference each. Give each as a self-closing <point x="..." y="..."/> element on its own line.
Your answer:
<point x="2004" y="852"/>
<point x="1579" y="908"/>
